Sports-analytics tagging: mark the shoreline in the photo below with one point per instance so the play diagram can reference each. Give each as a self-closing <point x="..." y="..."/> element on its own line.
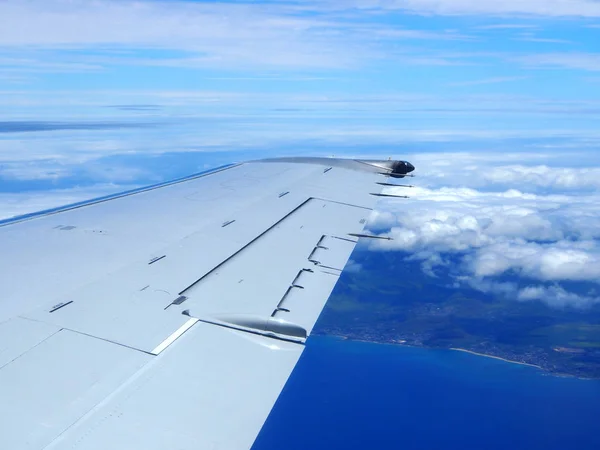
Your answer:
<point x="404" y="343"/>
<point x="464" y="350"/>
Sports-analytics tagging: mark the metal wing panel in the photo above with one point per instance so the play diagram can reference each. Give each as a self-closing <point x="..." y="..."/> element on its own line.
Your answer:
<point x="52" y="385"/>
<point x="177" y="310"/>
<point x="213" y="389"/>
<point x="70" y="249"/>
<point x="138" y="321"/>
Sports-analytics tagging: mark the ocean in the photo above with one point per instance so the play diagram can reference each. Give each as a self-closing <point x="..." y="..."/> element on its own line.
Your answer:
<point x="357" y="395"/>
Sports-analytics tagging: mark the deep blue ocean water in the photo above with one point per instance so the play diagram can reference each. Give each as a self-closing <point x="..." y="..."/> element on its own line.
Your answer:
<point x="357" y="395"/>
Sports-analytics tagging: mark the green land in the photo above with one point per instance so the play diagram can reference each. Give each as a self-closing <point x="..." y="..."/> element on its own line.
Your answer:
<point x="392" y="300"/>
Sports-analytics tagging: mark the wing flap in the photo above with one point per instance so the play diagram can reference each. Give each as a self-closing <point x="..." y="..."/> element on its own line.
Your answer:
<point x="260" y="280"/>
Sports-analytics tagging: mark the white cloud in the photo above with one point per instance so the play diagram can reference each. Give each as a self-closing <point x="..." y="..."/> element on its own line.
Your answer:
<point x="576" y="61"/>
<point x="530" y="38"/>
<point x="353" y="266"/>
<point x="556" y="296"/>
<point x="197" y="35"/>
<point x="552" y="8"/>
<point x="254" y="36"/>
<point x="562" y="260"/>
<point x="507" y="26"/>
<point x="400" y="33"/>
<point x="552" y="295"/>
<point x="551" y="238"/>
<point x="219" y="34"/>
<point x="545" y="176"/>
<point x="454" y="219"/>
<point x="493" y="80"/>
<point x="541" y="170"/>
<point x="231" y="132"/>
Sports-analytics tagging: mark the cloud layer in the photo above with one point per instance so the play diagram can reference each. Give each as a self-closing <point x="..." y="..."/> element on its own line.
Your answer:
<point x="206" y="34"/>
<point x="490" y="236"/>
<point x="328" y="34"/>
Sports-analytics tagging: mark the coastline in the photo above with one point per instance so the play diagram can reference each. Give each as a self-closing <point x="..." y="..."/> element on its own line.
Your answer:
<point x="405" y="343"/>
<point x="495" y="357"/>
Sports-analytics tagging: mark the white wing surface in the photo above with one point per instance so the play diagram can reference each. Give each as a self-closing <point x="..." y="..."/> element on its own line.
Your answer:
<point x="172" y="317"/>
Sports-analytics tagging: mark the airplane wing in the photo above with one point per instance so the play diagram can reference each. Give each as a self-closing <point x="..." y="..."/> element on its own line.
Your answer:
<point x="172" y="316"/>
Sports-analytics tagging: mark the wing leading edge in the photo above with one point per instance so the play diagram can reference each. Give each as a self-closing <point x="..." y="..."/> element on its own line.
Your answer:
<point x="172" y="317"/>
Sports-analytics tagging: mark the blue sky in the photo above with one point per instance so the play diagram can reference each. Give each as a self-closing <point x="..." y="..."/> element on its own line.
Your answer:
<point x="282" y="74"/>
<point x="76" y="59"/>
<point x="496" y="103"/>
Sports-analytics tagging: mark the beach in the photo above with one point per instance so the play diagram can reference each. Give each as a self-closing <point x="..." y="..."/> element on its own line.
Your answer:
<point x="494" y="357"/>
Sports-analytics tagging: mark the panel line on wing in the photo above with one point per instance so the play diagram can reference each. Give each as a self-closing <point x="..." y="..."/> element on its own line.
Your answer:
<point x="247" y="245"/>
<point x="2" y="365"/>
<point x="345" y="239"/>
<point x="329" y="267"/>
<point x="88" y="335"/>
<point x="342" y="203"/>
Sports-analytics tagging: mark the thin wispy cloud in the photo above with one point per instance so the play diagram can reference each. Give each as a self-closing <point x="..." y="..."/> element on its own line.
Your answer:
<point x="543" y="40"/>
<point x="488" y="81"/>
<point x="507" y="8"/>
<point x="49" y="36"/>
<point x="575" y="61"/>
<point x="199" y="35"/>
<point x="405" y="34"/>
<point x="507" y="26"/>
<point x="213" y="33"/>
<point x="33" y="126"/>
